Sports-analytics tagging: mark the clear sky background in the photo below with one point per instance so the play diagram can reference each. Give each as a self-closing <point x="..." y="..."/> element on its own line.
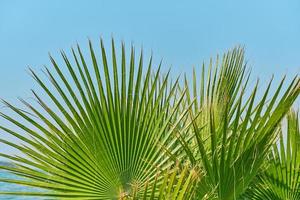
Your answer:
<point x="183" y="33"/>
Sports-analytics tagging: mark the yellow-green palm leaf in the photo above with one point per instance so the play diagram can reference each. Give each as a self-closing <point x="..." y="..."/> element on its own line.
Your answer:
<point x="233" y="128"/>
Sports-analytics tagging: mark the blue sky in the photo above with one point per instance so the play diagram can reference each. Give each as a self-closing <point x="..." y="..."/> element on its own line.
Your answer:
<point x="183" y="33"/>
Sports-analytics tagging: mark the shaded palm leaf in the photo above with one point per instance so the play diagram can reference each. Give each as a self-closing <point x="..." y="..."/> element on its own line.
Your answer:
<point x="281" y="178"/>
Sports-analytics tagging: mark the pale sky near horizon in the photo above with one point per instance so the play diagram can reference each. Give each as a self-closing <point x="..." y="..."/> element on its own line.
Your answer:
<point x="183" y="33"/>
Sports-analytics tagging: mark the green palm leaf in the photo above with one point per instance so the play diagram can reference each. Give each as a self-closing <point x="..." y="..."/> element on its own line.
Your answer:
<point x="103" y="137"/>
<point x="281" y="178"/>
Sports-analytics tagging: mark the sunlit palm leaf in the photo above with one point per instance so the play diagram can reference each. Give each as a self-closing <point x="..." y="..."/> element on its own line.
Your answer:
<point x="281" y="178"/>
<point x="104" y="138"/>
<point x="232" y="133"/>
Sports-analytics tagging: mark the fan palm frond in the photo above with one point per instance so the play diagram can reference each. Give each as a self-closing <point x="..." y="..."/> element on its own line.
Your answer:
<point x="104" y="137"/>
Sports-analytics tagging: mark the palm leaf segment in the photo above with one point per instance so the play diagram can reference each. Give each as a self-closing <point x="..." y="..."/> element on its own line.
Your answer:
<point x="281" y="179"/>
<point x="176" y="184"/>
<point x="102" y="144"/>
<point x="232" y="133"/>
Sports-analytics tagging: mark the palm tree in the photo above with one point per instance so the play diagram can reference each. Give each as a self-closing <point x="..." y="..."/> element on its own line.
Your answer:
<point x="137" y="135"/>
